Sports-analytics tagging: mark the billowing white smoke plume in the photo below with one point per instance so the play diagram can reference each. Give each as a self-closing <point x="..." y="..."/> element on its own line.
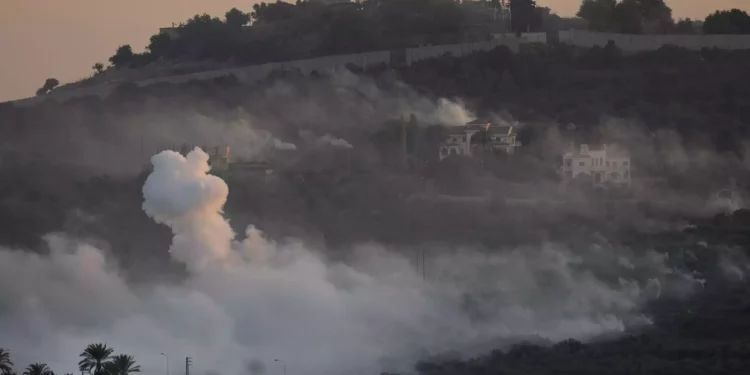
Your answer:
<point x="451" y="113"/>
<point x="180" y="194"/>
<point x="281" y="145"/>
<point x="247" y="303"/>
<point x="324" y="140"/>
<point x="335" y="142"/>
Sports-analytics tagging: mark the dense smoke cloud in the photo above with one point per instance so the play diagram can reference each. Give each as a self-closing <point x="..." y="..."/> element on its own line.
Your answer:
<point x="250" y="301"/>
<point x="324" y="140"/>
<point x="108" y="140"/>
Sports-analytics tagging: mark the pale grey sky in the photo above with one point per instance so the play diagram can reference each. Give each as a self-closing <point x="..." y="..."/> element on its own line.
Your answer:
<point x="40" y="39"/>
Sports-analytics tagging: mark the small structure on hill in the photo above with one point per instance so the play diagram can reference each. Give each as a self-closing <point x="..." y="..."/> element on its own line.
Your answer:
<point x="602" y="166"/>
<point x="479" y="135"/>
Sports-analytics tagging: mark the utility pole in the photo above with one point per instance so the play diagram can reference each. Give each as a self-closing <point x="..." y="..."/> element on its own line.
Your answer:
<point x="166" y="357"/>
<point x="403" y="143"/>
<point x="421" y="254"/>
<point x="505" y="15"/>
<point x="282" y="364"/>
<point x="188" y="363"/>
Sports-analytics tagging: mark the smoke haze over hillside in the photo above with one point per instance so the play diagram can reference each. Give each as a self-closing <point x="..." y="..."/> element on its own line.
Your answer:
<point x="253" y="299"/>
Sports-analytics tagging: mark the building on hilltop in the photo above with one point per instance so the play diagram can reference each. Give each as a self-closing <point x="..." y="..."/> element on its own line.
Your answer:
<point x="173" y="32"/>
<point x="468" y="139"/>
<point x="608" y="165"/>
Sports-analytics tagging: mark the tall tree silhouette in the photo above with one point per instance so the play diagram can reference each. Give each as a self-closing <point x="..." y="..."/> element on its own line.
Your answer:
<point x="524" y="16"/>
<point x="236" y="18"/>
<point x="123" y="56"/>
<point x="599" y="13"/>
<point x="733" y="21"/>
<point x="121" y="364"/>
<point x="6" y="366"/>
<point x="94" y="358"/>
<point x="38" y="369"/>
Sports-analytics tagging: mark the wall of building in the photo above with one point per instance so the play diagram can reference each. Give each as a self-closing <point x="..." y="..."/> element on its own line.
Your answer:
<point x="639" y="43"/>
<point x="458" y="50"/>
<point x="601" y="165"/>
<point x="525" y="37"/>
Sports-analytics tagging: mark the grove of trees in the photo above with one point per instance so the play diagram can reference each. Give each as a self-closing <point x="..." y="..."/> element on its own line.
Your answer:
<point x="655" y="16"/>
<point x="276" y="31"/>
<point x="733" y="21"/>
<point x="96" y="359"/>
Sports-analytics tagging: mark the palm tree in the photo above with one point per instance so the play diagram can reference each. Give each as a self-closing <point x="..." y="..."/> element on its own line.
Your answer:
<point x="5" y="363"/>
<point x="38" y="369"/>
<point x="94" y="358"/>
<point x="121" y="364"/>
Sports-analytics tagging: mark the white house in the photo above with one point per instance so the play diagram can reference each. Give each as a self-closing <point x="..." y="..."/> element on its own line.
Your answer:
<point x="604" y="166"/>
<point x="464" y="140"/>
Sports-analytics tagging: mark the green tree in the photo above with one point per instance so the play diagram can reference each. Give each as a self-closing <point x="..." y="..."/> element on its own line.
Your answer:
<point x="685" y="26"/>
<point x="272" y="12"/>
<point x="123" y="56"/>
<point x="348" y="31"/>
<point x="598" y="13"/>
<point x="94" y="357"/>
<point x="627" y="17"/>
<point x="656" y="16"/>
<point x="201" y="25"/>
<point x="98" y="67"/>
<point x="6" y="366"/>
<point x="524" y="16"/>
<point x="236" y="18"/>
<point x="205" y="37"/>
<point x="733" y="21"/>
<point x="49" y="85"/>
<point x="121" y="364"/>
<point x="159" y="45"/>
<point x="407" y="21"/>
<point x="38" y="369"/>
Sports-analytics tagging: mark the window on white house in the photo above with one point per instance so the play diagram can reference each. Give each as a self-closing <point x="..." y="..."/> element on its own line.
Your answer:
<point x="608" y="163"/>
<point x="568" y="162"/>
<point x="581" y="163"/>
